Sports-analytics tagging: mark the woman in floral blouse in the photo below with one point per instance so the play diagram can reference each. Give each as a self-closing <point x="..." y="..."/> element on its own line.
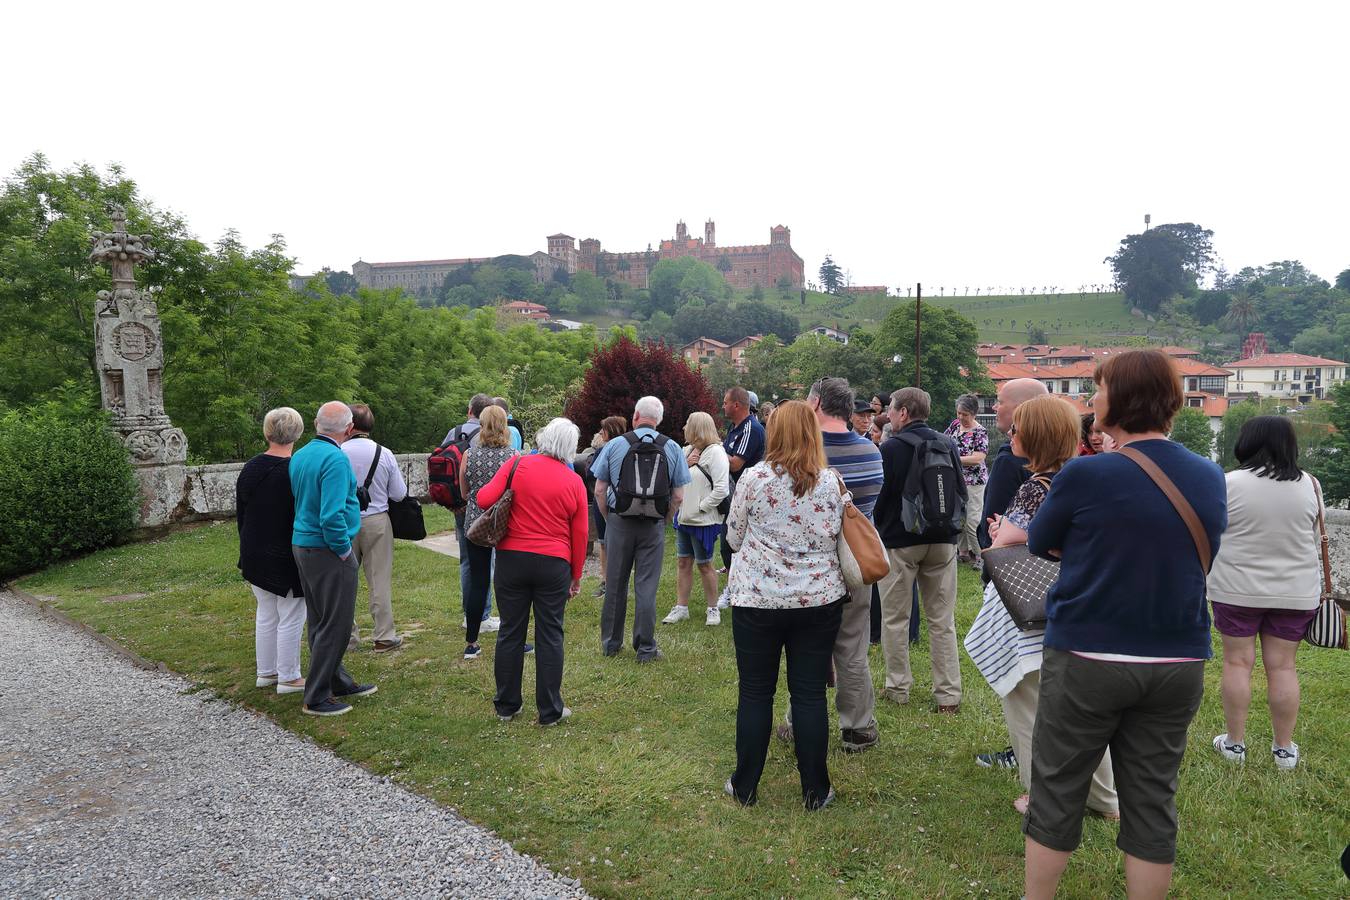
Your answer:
<point x="973" y="443"/>
<point x="786" y="592"/>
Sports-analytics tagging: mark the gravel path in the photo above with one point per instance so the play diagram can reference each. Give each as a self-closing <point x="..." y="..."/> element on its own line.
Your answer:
<point x="115" y="783"/>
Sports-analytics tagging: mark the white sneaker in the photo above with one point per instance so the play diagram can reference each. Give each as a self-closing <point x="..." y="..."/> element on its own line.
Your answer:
<point x="678" y="614"/>
<point x="1232" y="752"/>
<point x="1285" y="757"/>
<point x="714" y="616"/>
<point x="490" y="625"/>
<point x="723" y="601"/>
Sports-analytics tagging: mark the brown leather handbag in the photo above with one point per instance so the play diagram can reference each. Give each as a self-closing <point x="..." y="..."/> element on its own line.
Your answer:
<point x="862" y="556"/>
<point x="489" y="528"/>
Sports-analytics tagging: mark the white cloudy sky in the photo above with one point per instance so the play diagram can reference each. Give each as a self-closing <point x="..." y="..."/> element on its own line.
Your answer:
<point x="955" y="144"/>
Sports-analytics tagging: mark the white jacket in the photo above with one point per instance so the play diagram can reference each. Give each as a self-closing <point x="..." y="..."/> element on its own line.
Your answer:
<point x="701" y="497"/>
<point x="1270" y="555"/>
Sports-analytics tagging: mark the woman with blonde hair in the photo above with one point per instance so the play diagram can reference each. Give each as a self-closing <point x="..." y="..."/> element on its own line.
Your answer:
<point x="699" y="521"/>
<point x="1046" y="432"/>
<point x="786" y="592"/>
<point x="491" y="448"/>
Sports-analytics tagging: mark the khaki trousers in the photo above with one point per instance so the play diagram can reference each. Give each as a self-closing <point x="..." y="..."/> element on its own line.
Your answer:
<point x="1019" y="711"/>
<point x="934" y="567"/>
<point x="374" y="550"/>
<point x="974" y="506"/>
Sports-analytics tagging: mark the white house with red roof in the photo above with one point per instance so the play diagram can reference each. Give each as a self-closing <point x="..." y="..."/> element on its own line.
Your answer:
<point x="1285" y="376"/>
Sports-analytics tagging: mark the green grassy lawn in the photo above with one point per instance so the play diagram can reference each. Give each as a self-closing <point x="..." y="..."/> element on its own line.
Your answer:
<point x="627" y="794"/>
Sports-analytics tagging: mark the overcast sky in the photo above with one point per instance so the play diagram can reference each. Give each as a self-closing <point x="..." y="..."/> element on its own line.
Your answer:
<point x="994" y="144"/>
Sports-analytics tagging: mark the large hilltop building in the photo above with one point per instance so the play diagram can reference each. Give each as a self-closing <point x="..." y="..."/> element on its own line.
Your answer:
<point x="743" y="266"/>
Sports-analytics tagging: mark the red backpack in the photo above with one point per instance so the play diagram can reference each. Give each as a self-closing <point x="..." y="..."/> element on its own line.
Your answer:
<point x="443" y="470"/>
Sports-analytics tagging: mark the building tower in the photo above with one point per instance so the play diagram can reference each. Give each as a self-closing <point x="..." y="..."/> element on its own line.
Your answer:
<point x="709" y="234"/>
<point x="681" y="232"/>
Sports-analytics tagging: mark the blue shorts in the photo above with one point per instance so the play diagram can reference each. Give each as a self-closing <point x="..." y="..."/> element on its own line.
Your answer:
<point x="686" y="546"/>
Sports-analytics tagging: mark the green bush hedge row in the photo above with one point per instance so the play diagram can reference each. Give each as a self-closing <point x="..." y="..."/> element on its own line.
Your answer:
<point x="65" y="486"/>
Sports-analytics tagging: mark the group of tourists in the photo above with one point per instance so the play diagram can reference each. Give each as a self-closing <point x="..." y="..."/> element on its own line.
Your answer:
<point x="1098" y="698"/>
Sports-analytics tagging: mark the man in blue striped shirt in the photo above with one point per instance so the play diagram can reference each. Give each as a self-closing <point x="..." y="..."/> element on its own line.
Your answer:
<point x="858" y="462"/>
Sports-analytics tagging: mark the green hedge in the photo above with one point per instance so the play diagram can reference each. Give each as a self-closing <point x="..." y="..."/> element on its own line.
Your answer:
<point x="65" y="486"/>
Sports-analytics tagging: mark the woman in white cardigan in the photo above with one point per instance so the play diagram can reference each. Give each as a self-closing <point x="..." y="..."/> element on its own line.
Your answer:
<point x="699" y="522"/>
<point x="1266" y="580"/>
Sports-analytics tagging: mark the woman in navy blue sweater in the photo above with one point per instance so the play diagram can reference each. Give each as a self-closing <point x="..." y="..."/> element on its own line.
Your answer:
<point x="1127" y="632"/>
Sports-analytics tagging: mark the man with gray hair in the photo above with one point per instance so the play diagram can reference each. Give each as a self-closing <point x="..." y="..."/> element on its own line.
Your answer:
<point x="928" y="556"/>
<point x="377" y="470"/>
<point x="327" y="518"/>
<point x="639" y="484"/>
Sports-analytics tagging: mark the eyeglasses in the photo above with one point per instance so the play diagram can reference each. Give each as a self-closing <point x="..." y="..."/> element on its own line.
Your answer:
<point x="1012" y="430"/>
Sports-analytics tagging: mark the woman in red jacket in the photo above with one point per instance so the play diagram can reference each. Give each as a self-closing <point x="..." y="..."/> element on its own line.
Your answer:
<point x="539" y="564"/>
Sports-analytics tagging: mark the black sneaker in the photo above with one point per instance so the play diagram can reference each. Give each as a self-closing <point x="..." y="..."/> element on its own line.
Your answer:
<point x="1004" y="759"/>
<point x="358" y="690"/>
<point x="329" y="707"/>
<point x="529" y="648"/>
<point x="821" y="804"/>
<point x="472" y="651"/>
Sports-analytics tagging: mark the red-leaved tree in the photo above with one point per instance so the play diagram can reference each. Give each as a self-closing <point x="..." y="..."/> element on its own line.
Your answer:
<point x="623" y="371"/>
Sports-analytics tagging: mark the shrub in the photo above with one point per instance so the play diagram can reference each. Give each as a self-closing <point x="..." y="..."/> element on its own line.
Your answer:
<point x="65" y="485"/>
<point x="623" y="371"/>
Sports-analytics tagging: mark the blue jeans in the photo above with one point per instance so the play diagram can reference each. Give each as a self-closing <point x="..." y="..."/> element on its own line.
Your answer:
<point x="464" y="568"/>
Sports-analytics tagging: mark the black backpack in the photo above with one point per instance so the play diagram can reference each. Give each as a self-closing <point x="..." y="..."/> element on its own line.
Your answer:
<point x="643" y="490"/>
<point x="931" y="503"/>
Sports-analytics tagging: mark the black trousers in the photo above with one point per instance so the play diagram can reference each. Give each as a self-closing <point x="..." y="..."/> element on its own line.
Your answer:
<point x="525" y="582"/>
<point x="761" y="636"/>
<point x="480" y="579"/>
<point x="330" y="607"/>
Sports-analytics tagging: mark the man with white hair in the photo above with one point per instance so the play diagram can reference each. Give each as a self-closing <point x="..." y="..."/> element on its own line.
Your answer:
<point x="639" y="484"/>
<point x="327" y="518"/>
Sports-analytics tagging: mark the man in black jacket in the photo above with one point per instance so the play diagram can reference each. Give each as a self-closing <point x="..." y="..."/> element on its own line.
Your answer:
<point x="1007" y="473"/>
<point x="929" y="560"/>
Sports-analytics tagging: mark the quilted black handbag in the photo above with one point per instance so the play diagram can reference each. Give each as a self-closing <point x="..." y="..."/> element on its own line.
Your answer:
<point x="1022" y="581"/>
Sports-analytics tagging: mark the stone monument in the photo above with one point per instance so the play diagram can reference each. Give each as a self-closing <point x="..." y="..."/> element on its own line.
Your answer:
<point x="129" y="356"/>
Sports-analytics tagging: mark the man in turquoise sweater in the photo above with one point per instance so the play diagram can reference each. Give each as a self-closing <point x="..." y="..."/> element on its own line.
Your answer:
<point x="327" y="517"/>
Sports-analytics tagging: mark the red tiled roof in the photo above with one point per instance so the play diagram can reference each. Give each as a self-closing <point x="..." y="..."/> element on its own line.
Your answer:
<point x="1008" y="371"/>
<point x="706" y="340"/>
<point x="1271" y="360"/>
<point x="431" y="262"/>
<point x="1193" y="367"/>
<point x="1214" y="407"/>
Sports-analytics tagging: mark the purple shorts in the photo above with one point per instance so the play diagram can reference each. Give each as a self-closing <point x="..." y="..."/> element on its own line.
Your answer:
<point x="1246" y="621"/>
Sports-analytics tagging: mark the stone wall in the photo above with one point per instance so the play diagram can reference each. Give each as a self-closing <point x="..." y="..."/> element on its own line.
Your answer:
<point x="1338" y="529"/>
<point x="182" y="493"/>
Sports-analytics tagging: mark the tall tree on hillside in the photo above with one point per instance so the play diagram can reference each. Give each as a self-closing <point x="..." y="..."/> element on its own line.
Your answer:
<point x="950" y="367"/>
<point x="1163" y="261"/>
<point x="1283" y="273"/>
<point x="1242" y="313"/>
<point x="831" y="275"/>
<point x="340" y="284"/>
<point x="1343" y="280"/>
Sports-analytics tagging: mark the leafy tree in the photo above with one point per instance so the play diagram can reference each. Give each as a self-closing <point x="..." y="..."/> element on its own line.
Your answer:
<point x="1319" y="340"/>
<point x="950" y="367"/>
<point x="1036" y="334"/>
<point x="340" y="284"/>
<point x="622" y="371"/>
<point x="674" y="282"/>
<point x="1237" y="415"/>
<point x="725" y="322"/>
<point x="784" y="284"/>
<point x="831" y="276"/>
<point x="757" y="292"/>
<point x="1286" y="311"/>
<point x="1343" y="280"/>
<point x="1285" y="273"/>
<point x="1161" y="262"/>
<point x="1191" y="429"/>
<point x="1242" y="312"/>
<point x="724" y="264"/>
<point x="1210" y="306"/>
